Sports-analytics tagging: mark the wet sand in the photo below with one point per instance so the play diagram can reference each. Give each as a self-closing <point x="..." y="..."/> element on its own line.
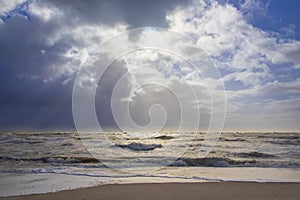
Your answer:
<point x="208" y="190"/>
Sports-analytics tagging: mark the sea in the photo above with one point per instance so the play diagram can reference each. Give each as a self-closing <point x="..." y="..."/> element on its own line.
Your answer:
<point x="43" y="162"/>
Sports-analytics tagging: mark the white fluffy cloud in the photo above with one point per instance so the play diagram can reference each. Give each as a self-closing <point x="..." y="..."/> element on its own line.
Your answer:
<point x="245" y="54"/>
<point x="223" y="31"/>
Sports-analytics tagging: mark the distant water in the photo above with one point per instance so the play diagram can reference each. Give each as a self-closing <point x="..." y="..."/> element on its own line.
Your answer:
<point x="54" y="154"/>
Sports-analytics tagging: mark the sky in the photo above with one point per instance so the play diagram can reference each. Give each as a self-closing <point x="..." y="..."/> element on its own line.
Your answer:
<point x="48" y="47"/>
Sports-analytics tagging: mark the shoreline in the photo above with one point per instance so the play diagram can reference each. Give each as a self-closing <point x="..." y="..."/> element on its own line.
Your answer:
<point x="205" y="190"/>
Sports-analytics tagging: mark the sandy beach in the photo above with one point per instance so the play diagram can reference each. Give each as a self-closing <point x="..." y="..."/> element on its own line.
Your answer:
<point x="219" y="190"/>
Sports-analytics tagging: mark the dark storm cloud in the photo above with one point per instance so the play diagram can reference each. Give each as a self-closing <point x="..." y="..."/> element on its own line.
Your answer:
<point x="42" y="44"/>
<point x="32" y="57"/>
<point x="104" y="93"/>
<point x="28" y="100"/>
<point x="31" y="104"/>
<point x="135" y="13"/>
<point x="24" y="44"/>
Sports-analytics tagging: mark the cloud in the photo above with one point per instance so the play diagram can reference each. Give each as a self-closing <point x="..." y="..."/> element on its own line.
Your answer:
<point x="44" y="44"/>
<point x="146" y="77"/>
<point x="39" y="57"/>
<point x="47" y="45"/>
<point x="6" y="6"/>
<point x="244" y="54"/>
<point x="252" y="8"/>
<point x="234" y="43"/>
<point x="135" y="13"/>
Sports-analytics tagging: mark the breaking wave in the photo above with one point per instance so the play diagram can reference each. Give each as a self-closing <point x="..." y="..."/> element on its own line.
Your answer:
<point x="254" y="154"/>
<point x="227" y="162"/>
<point x="164" y="137"/>
<point x="53" y="159"/>
<point x="135" y="146"/>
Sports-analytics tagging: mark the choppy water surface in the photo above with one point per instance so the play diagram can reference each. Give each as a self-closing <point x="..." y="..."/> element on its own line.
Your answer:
<point x="29" y="150"/>
<point x="24" y="154"/>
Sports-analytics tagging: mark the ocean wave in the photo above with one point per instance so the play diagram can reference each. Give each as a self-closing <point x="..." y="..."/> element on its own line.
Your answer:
<point x="53" y="134"/>
<point x="284" y="137"/>
<point x="135" y="146"/>
<point x="53" y="159"/>
<point x="29" y="139"/>
<point x="232" y="139"/>
<point x="164" y="137"/>
<point x="9" y="138"/>
<point x="254" y="154"/>
<point x="285" y="142"/>
<point x="228" y="162"/>
<point x="90" y="162"/>
<point x="212" y="162"/>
